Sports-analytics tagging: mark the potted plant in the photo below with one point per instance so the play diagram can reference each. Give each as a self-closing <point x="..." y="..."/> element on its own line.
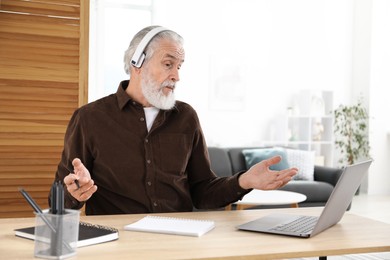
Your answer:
<point x="351" y="133"/>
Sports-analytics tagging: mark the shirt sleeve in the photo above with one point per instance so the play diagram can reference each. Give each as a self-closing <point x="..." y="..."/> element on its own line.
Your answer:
<point x="75" y="146"/>
<point x="209" y="191"/>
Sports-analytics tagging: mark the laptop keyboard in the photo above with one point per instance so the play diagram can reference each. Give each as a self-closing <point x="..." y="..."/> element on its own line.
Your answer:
<point x="302" y="224"/>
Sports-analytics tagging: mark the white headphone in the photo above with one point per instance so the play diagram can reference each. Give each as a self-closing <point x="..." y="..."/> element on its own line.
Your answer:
<point x="139" y="55"/>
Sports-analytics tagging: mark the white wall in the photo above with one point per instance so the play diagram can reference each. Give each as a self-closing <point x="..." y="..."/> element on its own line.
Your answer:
<point x="379" y="177"/>
<point x="361" y="58"/>
<point x="274" y="48"/>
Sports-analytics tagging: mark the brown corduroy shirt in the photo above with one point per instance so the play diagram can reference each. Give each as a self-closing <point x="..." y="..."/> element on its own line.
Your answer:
<point x="136" y="171"/>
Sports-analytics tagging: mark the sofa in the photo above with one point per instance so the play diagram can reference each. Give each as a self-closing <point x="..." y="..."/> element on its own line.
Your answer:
<point x="228" y="161"/>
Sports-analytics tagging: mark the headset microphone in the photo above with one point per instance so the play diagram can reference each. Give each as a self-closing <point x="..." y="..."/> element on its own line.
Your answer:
<point x="139" y="55"/>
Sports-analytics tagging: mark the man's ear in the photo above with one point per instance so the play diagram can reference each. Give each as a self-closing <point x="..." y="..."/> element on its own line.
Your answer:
<point x="135" y="70"/>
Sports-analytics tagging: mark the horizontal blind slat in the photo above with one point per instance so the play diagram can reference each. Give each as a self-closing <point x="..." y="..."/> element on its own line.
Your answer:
<point x="31" y="73"/>
<point x="43" y="8"/>
<point x="37" y="103"/>
<point x="65" y="31"/>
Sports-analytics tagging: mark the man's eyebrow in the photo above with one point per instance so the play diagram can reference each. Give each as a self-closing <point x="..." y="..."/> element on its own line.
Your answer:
<point x="172" y="57"/>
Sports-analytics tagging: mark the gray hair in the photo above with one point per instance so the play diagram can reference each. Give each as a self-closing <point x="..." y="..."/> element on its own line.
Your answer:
<point x="151" y="47"/>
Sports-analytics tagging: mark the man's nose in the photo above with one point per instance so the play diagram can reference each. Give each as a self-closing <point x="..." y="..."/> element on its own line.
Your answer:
<point x="175" y="75"/>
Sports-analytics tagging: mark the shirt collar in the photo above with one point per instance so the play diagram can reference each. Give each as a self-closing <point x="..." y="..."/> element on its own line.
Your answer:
<point x="122" y="96"/>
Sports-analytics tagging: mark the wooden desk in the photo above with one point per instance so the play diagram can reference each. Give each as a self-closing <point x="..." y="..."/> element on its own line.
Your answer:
<point x="352" y="235"/>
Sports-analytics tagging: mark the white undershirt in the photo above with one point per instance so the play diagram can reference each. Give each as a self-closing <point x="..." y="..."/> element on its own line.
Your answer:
<point x="150" y="114"/>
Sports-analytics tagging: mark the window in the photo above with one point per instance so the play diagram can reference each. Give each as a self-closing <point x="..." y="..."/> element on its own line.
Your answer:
<point x="113" y="23"/>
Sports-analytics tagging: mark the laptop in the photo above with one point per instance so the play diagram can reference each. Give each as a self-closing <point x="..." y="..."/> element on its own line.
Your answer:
<point x="308" y="226"/>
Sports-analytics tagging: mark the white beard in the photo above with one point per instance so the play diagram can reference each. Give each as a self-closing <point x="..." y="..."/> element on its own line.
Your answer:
<point x="154" y="93"/>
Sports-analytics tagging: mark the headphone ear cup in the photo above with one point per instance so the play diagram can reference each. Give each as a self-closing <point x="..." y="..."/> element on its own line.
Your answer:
<point x="140" y="61"/>
<point x="139" y="55"/>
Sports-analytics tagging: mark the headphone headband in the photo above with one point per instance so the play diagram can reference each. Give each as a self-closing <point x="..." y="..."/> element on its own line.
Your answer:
<point x="139" y="55"/>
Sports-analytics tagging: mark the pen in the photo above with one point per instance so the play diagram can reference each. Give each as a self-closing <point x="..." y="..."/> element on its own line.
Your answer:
<point x="53" y="198"/>
<point x="75" y="181"/>
<point x="36" y="208"/>
<point x="30" y="201"/>
<point x="39" y="212"/>
<point x="57" y="198"/>
<point x="57" y="207"/>
<point x="60" y="199"/>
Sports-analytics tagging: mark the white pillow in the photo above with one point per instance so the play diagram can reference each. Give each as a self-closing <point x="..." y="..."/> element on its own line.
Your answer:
<point x="304" y="161"/>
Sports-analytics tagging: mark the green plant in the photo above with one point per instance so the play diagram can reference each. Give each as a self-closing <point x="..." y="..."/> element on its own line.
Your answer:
<point x="351" y="132"/>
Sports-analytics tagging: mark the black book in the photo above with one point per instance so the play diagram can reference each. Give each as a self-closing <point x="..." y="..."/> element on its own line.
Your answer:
<point x="89" y="234"/>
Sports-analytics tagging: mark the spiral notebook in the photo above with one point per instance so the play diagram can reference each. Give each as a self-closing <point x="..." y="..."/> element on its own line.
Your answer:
<point x="89" y="234"/>
<point x="175" y="226"/>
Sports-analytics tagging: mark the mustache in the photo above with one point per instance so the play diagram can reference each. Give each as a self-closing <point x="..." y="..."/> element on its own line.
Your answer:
<point x="168" y="83"/>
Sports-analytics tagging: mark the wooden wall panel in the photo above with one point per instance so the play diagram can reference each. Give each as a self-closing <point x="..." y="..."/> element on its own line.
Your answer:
<point x="43" y="79"/>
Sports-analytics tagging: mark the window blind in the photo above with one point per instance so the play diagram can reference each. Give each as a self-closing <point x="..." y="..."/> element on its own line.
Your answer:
<point x="43" y="79"/>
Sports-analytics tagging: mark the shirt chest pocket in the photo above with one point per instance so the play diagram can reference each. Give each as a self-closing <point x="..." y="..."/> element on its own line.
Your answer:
<point x="174" y="151"/>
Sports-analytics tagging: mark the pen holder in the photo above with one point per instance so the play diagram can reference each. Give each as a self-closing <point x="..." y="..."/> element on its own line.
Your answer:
<point x="56" y="236"/>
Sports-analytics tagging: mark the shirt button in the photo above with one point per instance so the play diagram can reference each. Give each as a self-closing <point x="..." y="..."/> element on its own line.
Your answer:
<point x="155" y="204"/>
<point x="142" y="119"/>
<point x="149" y="183"/>
<point x="146" y="140"/>
<point x="148" y="161"/>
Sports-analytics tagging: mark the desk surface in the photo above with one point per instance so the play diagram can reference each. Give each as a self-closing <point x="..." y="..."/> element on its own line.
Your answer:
<point x="353" y="234"/>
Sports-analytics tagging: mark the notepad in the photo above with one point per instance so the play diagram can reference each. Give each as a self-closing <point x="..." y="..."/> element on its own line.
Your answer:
<point x="175" y="226"/>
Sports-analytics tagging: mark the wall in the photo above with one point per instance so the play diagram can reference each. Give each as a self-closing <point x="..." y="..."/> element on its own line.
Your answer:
<point x="264" y="52"/>
<point x="379" y="176"/>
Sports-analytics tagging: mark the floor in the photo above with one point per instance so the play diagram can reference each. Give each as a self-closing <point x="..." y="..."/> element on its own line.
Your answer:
<point x="371" y="206"/>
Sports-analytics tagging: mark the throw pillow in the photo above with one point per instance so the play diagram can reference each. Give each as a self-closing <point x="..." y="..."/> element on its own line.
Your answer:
<point x="253" y="156"/>
<point x="304" y="161"/>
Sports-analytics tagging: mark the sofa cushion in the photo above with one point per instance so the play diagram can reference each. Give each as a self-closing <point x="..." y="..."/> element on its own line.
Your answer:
<point x="237" y="159"/>
<point x="304" y="161"/>
<point x="315" y="191"/>
<point x="253" y="156"/>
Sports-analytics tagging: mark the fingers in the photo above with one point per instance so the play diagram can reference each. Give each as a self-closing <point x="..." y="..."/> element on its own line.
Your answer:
<point x="76" y="162"/>
<point x="72" y="180"/>
<point x="284" y="181"/>
<point x="290" y="172"/>
<point x="278" y="179"/>
<point x="79" y="167"/>
<point x="85" y="191"/>
<point x="82" y="192"/>
<point x="285" y="176"/>
<point x="273" y="160"/>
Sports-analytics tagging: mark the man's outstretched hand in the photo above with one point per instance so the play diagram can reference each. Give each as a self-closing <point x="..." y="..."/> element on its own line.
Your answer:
<point x="85" y="188"/>
<point x="260" y="177"/>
